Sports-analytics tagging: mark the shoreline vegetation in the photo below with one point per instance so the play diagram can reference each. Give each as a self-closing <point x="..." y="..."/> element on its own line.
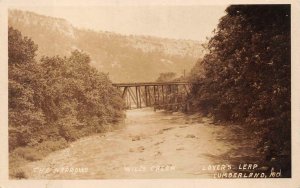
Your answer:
<point x="245" y="78"/>
<point x="54" y="101"/>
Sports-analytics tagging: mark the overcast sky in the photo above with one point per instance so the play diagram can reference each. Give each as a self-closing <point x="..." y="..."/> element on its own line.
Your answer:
<point x="180" y="22"/>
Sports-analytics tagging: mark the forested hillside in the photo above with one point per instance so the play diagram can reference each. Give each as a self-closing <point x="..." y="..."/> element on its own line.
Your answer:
<point x="125" y="58"/>
<point x="246" y="76"/>
<point x="54" y="101"/>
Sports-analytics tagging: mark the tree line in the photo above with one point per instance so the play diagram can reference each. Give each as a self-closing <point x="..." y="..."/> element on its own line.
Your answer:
<point x="246" y="75"/>
<point x="56" y="99"/>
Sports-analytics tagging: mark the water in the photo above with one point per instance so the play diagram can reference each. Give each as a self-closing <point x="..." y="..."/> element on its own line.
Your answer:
<point x="150" y="145"/>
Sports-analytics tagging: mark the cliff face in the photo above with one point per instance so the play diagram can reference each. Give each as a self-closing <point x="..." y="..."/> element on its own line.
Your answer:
<point x="126" y="58"/>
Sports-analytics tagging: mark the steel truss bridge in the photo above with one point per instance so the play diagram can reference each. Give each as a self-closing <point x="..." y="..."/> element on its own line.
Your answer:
<point x="159" y="95"/>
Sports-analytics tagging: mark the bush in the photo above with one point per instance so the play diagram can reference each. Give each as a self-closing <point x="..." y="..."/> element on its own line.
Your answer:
<point x="19" y="174"/>
<point x="27" y="153"/>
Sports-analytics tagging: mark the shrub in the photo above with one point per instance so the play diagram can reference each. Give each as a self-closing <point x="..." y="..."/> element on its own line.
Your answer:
<point x="19" y="174"/>
<point x="27" y="153"/>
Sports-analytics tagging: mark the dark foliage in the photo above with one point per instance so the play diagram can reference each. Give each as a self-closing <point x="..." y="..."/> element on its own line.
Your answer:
<point x="56" y="98"/>
<point x="246" y="76"/>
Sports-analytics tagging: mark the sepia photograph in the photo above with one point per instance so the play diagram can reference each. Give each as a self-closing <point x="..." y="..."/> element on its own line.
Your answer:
<point x="149" y="91"/>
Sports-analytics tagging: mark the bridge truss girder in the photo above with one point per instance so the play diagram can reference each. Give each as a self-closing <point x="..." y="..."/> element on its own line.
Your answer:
<point x="157" y="95"/>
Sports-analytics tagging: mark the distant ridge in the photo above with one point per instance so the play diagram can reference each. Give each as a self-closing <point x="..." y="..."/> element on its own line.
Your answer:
<point x="127" y="58"/>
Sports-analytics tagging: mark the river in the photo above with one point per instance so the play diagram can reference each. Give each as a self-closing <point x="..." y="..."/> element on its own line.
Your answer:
<point x="150" y="145"/>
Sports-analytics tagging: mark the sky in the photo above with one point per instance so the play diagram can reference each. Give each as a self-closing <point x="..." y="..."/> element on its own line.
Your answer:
<point x="180" y="22"/>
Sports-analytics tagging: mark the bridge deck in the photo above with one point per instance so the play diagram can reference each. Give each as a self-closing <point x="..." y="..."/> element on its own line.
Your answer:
<point x="153" y="94"/>
<point x="148" y="84"/>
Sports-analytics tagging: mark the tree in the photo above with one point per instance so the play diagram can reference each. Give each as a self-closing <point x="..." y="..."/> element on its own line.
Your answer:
<point x="23" y="89"/>
<point x="247" y="72"/>
<point x="81" y="100"/>
<point x="57" y="97"/>
<point x="166" y="77"/>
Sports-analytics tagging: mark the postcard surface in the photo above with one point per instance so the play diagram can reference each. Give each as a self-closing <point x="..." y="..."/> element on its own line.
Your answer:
<point x="149" y="93"/>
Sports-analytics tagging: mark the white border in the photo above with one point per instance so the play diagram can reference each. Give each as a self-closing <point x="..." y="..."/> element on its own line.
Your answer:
<point x="274" y="183"/>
